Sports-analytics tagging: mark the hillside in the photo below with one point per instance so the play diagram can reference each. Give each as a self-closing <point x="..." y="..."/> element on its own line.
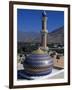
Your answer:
<point x="56" y="36"/>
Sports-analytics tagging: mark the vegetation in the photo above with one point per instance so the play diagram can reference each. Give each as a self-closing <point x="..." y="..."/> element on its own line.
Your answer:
<point x="27" y="48"/>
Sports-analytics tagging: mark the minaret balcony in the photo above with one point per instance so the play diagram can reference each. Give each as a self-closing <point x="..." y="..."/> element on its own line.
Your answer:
<point x="44" y="31"/>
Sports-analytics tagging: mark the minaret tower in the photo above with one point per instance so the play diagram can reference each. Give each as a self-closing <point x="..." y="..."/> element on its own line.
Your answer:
<point x="44" y="32"/>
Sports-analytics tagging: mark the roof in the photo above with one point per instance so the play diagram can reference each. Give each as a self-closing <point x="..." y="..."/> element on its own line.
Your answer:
<point x="44" y="13"/>
<point x="39" y="51"/>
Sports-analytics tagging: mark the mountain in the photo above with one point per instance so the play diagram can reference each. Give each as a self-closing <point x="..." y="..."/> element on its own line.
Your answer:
<point x="56" y="36"/>
<point x="28" y="37"/>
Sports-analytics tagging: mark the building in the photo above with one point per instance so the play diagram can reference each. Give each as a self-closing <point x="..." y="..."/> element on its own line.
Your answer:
<point x="39" y="63"/>
<point x="44" y="32"/>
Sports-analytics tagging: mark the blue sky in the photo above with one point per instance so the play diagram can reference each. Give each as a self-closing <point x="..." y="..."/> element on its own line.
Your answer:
<point x="31" y="20"/>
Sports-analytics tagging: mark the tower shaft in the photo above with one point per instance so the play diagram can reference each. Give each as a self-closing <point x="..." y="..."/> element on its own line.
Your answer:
<point x="44" y="23"/>
<point x="44" y="32"/>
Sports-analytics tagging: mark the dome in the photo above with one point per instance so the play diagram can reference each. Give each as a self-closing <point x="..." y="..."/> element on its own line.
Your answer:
<point x="44" y="13"/>
<point x="39" y="63"/>
<point x="39" y="51"/>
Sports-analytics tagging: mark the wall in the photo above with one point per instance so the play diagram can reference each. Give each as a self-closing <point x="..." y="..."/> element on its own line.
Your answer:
<point x="4" y="44"/>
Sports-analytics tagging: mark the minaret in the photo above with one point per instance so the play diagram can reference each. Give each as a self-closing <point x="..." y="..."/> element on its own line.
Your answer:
<point x="44" y="32"/>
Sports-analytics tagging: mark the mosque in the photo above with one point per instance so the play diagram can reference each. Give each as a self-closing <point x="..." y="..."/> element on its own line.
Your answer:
<point x="39" y="63"/>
